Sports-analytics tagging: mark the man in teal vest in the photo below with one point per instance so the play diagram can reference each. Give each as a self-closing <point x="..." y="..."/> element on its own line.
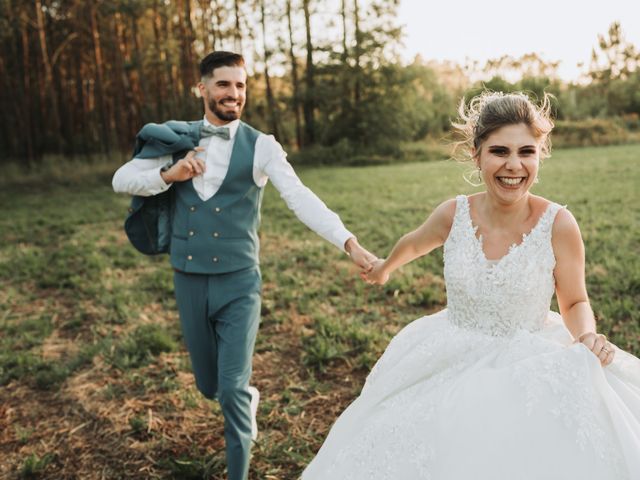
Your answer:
<point x="198" y="188"/>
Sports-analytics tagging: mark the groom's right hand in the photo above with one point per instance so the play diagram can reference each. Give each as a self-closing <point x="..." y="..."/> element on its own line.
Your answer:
<point x="358" y="254"/>
<point x="186" y="168"/>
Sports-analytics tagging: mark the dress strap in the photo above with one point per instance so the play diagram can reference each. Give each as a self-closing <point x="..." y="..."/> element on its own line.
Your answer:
<point x="462" y="215"/>
<point x="545" y="224"/>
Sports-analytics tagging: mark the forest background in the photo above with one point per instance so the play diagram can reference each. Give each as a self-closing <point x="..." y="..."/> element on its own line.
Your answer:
<point x="326" y="78"/>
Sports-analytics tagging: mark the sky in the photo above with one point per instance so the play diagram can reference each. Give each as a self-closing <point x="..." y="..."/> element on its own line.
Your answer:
<point x="564" y="30"/>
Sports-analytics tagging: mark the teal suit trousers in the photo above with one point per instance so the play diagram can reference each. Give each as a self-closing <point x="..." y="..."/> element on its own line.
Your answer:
<point x="220" y="315"/>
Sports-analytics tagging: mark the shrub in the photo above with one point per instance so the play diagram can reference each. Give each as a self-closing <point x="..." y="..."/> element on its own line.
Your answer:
<point x="591" y="132"/>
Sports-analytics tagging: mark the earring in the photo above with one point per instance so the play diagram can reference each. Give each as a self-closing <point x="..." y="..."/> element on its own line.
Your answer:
<point x="473" y="177"/>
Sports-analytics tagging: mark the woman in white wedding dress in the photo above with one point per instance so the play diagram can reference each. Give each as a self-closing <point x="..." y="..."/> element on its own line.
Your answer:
<point x="496" y="386"/>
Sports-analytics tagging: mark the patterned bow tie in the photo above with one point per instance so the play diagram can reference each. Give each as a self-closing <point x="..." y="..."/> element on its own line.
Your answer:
<point x="222" y="132"/>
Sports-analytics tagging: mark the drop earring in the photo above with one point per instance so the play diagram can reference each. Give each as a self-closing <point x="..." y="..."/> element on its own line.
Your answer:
<point x="474" y="177"/>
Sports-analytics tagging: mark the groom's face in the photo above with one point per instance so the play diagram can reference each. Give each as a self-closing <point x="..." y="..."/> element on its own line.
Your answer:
<point x="224" y="93"/>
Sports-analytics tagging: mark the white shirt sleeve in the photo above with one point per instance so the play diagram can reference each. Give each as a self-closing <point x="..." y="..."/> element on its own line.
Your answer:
<point x="271" y="161"/>
<point x="141" y="176"/>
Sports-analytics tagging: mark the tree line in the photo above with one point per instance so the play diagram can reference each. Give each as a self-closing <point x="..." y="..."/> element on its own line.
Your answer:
<point x="81" y="77"/>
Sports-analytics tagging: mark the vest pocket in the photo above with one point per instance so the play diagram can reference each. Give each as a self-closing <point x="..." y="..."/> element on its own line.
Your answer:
<point x="178" y="246"/>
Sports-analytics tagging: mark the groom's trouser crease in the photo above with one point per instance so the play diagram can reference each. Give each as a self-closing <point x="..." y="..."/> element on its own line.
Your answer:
<point x="220" y="315"/>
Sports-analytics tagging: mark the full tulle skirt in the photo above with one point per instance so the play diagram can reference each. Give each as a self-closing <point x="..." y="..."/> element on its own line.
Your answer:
<point x="451" y="403"/>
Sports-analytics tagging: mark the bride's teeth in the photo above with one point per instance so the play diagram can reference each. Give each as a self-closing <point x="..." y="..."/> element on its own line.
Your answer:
<point x="510" y="181"/>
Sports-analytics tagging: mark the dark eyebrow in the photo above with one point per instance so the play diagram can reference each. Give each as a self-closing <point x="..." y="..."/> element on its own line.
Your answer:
<point x="227" y="82"/>
<point x="504" y="146"/>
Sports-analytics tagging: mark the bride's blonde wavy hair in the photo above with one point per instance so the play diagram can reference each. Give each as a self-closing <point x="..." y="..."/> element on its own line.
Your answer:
<point x="490" y="111"/>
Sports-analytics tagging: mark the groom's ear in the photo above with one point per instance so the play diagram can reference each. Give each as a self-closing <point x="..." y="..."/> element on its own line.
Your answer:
<point x="201" y="88"/>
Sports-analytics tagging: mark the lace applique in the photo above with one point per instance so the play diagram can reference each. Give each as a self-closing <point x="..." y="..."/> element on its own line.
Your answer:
<point x="576" y="403"/>
<point x="511" y="295"/>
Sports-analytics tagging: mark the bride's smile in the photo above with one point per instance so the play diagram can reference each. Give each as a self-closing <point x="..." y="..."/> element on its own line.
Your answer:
<point x="509" y="162"/>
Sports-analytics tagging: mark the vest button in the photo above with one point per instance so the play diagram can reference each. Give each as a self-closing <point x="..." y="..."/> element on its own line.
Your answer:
<point x="217" y="209"/>
<point x="189" y="257"/>
<point x="192" y="208"/>
<point x="215" y="259"/>
<point x="216" y="234"/>
<point x="191" y="233"/>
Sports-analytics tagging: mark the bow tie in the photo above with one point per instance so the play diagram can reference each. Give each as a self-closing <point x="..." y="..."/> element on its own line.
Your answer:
<point x="208" y="130"/>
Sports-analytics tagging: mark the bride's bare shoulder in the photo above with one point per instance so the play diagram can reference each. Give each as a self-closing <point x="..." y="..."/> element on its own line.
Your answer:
<point x="565" y="234"/>
<point x="441" y="218"/>
<point x="446" y="210"/>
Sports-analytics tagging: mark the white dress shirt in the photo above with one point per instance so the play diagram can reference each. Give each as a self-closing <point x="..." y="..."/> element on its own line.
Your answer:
<point x="142" y="177"/>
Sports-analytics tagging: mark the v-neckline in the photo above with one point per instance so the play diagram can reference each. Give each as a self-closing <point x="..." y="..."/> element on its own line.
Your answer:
<point x="226" y="175"/>
<point x="494" y="262"/>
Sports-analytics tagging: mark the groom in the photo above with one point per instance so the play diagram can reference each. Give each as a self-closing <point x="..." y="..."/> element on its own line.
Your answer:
<point x="198" y="188"/>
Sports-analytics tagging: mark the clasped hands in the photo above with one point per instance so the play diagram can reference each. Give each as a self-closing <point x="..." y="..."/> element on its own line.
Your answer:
<point x="373" y="271"/>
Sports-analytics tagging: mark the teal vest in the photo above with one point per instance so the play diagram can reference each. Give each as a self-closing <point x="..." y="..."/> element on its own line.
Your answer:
<point x="220" y="235"/>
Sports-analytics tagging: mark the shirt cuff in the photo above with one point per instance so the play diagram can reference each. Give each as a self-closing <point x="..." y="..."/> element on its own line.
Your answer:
<point x="341" y="236"/>
<point x="156" y="182"/>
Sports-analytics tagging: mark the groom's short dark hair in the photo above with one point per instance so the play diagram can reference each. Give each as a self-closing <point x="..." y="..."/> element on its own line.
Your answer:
<point x="219" y="59"/>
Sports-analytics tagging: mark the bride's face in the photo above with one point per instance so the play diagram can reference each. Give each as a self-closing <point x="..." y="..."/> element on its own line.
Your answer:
<point x="509" y="161"/>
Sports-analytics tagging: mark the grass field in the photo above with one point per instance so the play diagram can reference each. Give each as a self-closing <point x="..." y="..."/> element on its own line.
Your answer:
<point x="95" y="381"/>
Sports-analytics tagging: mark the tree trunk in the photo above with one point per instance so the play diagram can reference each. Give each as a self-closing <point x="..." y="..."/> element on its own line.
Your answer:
<point x="357" y="54"/>
<point x="139" y="90"/>
<point x="161" y="61"/>
<point x="216" y="28"/>
<point x="27" y="111"/>
<point x="126" y="128"/>
<point x="237" y="35"/>
<point x="346" y="91"/>
<point x="205" y="24"/>
<point x="294" y="80"/>
<point x="97" y="53"/>
<point x="271" y="102"/>
<point x="81" y="110"/>
<point x="186" y="41"/>
<point x="174" y="84"/>
<point x="309" y="103"/>
<point x="53" y="119"/>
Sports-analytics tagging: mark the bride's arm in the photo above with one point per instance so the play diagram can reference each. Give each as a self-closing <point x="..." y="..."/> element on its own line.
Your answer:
<point x="571" y="289"/>
<point x="430" y="235"/>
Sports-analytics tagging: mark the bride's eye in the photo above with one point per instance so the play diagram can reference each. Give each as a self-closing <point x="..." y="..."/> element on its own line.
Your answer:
<point x="500" y="151"/>
<point x="528" y="151"/>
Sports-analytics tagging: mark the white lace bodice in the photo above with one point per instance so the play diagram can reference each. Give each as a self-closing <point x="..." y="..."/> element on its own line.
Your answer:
<point x="504" y="297"/>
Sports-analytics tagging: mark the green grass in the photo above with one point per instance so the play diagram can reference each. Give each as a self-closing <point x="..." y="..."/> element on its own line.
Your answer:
<point x="76" y="299"/>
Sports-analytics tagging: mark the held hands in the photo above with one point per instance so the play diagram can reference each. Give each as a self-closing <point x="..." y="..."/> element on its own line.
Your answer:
<point x="377" y="275"/>
<point x="359" y="255"/>
<point x="185" y="168"/>
<point x="372" y="267"/>
<point x="599" y="345"/>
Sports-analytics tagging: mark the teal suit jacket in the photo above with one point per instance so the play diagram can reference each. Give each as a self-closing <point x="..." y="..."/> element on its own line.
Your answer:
<point x="148" y="225"/>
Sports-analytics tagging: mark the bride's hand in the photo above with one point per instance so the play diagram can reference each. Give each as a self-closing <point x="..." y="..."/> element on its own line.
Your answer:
<point x="599" y="345"/>
<point x="377" y="274"/>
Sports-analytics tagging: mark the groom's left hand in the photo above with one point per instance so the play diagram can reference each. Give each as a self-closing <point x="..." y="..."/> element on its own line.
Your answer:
<point x="359" y="255"/>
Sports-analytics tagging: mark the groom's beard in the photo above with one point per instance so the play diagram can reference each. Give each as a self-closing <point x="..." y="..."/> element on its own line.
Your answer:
<point x="218" y="110"/>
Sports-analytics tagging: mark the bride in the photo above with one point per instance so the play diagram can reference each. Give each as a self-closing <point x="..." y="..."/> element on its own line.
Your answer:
<point x="496" y="386"/>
